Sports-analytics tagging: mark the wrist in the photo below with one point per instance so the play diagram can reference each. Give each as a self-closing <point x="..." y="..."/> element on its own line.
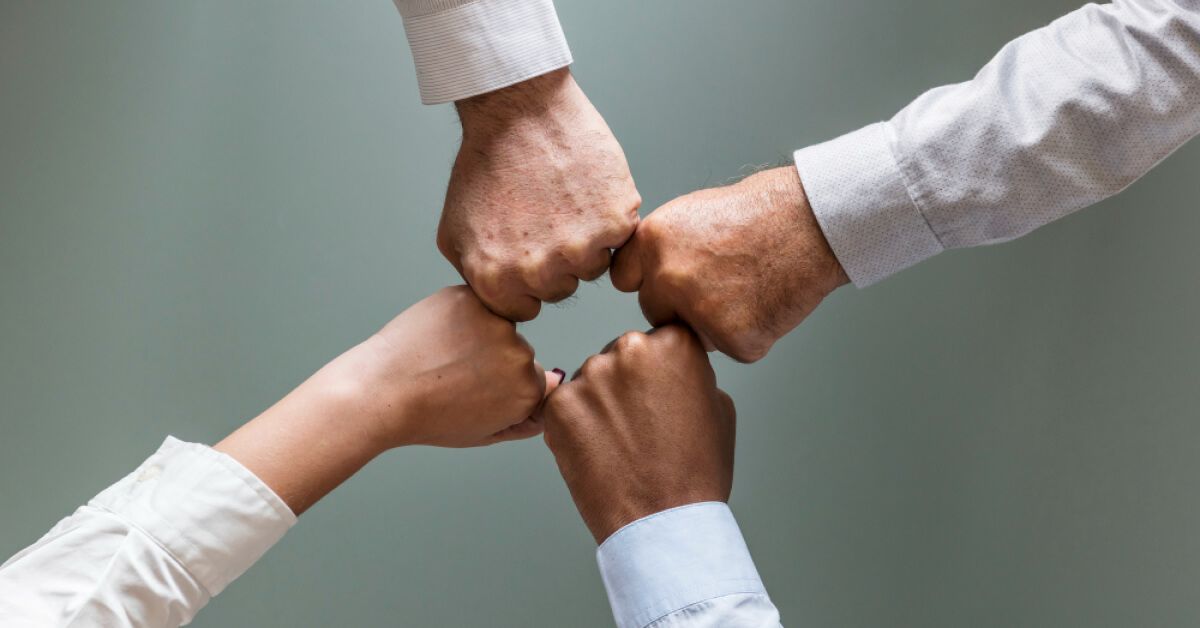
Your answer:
<point x="372" y="403"/>
<point x="620" y="513"/>
<point x="309" y="442"/>
<point x="539" y="103"/>
<point x="787" y="191"/>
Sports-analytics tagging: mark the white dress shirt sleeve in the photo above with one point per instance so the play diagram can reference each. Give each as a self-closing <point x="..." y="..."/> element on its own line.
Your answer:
<point x="1061" y="118"/>
<point x="686" y="566"/>
<point x="150" y="550"/>
<point x="464" y="48"/>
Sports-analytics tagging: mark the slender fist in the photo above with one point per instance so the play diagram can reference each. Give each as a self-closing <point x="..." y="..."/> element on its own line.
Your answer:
<point x="641" y="428"/>
<point x="539" y="194"/>
<point x="446" y="372"/>
<point x="742" y="265"/>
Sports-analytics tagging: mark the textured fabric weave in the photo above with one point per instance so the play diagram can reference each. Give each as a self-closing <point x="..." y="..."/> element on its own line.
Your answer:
<point x="1060" y="119"/>
<point x="463" y="49"/>
<point x="686" y="566"/>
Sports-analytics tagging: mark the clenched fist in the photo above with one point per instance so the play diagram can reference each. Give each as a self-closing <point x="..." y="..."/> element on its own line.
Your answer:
<point x="742" y="265"/>
<point x="447" y="372"/>
<point x="642" y="428"/>
<point x="539" y="194"/>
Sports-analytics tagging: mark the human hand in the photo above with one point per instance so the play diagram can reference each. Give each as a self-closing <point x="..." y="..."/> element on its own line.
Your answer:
<point x="642" y="427"/>
<point x="742" y="265"/>
<point x="538" y="195"/>
<point x="445" y="372"/>
<point x="449" y="373"/>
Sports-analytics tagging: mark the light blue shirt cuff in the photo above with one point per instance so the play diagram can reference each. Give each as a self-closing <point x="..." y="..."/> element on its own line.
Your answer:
<point x="674" y="559"/>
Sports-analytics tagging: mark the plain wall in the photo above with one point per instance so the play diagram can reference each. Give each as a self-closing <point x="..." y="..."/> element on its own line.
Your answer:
<point x="202" y="202"/>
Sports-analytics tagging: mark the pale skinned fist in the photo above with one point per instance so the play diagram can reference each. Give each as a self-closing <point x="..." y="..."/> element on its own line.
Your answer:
<point x="642" y="427"/>
<point x="539" y="194"/>
<point x="742" y="265"/>
<point x="446" y="372"/>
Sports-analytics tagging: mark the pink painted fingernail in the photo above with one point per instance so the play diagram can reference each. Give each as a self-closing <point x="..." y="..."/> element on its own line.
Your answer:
<point x="562" y="375"/>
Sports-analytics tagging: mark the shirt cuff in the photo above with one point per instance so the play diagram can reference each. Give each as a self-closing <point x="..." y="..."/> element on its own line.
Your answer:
<point x="211" y="513"/>
<point x="857" y="192"/>
<point x="464" y="48"/>
<point x="674" y="559"/>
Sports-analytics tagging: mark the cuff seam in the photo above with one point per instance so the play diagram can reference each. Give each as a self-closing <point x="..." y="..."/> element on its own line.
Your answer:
<point x="259" y="487"/>
<point x="907" y="180"/>
<point x="699" y="602"/>
<point x="647" y="518"/>
<point x="133" y="525"/>
<point x="429" y="7"/>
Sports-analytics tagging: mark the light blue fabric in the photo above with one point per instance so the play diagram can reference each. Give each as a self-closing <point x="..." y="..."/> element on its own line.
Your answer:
<point x="686" y="566"/>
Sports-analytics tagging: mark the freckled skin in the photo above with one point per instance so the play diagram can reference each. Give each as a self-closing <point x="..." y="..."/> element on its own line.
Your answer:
<point x="743" y="265"/>
<point x="539" y="194"/>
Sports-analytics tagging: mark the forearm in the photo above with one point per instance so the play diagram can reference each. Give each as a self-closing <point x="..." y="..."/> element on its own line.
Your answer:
<point x="154" y="548"/>
<point x="1063" y="117"/>
<point x="313" y="439"/>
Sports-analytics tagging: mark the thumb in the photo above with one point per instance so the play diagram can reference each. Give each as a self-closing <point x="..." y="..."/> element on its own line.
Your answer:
<point x="554" y="378"/>
<point x="626" y="269"/>
<point x="531" y="426"/>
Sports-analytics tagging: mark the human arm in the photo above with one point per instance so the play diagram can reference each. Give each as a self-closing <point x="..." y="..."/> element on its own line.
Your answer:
<point x="540" y="191"/>
<point x="1061" y="118"/>
<point x="644" y="440"/>
<point x="152" y="549"/>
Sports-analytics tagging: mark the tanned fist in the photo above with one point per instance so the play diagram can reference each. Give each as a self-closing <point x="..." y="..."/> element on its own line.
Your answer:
<point x="742" y="265"/>
<point x="539" y="194"/>
<point x="642" y="427"/>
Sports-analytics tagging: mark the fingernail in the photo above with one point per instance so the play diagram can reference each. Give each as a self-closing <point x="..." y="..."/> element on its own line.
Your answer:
<point x="562" y="375"/>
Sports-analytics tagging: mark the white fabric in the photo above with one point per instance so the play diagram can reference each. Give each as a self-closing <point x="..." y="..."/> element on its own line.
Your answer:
<point x="464" y="48"/>
<point x="686" y="566"/>
<point x="149" y="551"/>
<point x="1060" y="119"/>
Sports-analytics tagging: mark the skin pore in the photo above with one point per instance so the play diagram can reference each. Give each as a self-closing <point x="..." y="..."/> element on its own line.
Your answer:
<point x="538" y="195"/>
<point x="742" y="265"/>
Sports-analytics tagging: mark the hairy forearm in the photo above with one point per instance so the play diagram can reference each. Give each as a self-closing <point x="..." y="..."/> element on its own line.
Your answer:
<point x="546" y="95"/>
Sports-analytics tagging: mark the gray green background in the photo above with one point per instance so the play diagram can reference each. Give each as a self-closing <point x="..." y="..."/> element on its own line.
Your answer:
<point x="201" y="202"/>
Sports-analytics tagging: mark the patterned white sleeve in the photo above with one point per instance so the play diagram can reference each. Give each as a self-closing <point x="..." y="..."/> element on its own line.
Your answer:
<point x="1060" y="119"/>
<point x="464" y="48"/>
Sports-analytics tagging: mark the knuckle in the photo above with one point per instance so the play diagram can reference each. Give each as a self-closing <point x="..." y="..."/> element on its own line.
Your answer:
<point x="726" y="402"/>
<point x="446" y="245"/>
<point x="632" y="341"/>
<point x="623" y="223"/>
<point x="577" y="250"/>
<point x="652" y="228"/>
<point x="526" y="311"/>
<point x="520" y="352"/>
<point x="673" y="276"/>
<point x="594" y="365"/>
<point x="748" y="351"/>
<point x="674" y="335"/>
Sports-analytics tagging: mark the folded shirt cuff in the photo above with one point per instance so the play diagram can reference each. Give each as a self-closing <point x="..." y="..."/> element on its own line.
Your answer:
<point x="674" y="559"/>
<point x="463" y="49"/>
<point x="858" y="195"/>
<point x="211" y="513"/>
